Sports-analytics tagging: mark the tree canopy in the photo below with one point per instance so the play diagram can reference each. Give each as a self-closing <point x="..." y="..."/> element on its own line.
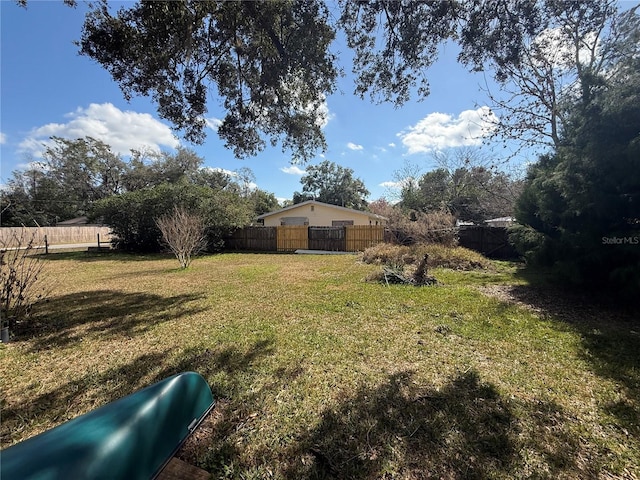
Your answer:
<point x="465" y="184"/>
<point x="74" y="174"/>
<point x="268" y="61"/>
<point x="132" y="215"/>
<point x="271" y="65"/>
<point x="580" y="208"/>
<point x="70" y="177"/>
<point x="331" y="183"/>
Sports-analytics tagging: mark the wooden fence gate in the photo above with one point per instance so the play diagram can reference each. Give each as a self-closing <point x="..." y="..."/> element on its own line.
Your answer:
<point x="292" y="238"/>
<point x="327" y="238"/>
<point x="349" y="238"/>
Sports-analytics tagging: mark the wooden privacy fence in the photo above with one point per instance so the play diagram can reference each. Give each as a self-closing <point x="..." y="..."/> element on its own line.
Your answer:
<point x="255" y="239"/>
<point x="292" y="238"/>
<point x="55" y="235"/>
<point x="349" y="238"/>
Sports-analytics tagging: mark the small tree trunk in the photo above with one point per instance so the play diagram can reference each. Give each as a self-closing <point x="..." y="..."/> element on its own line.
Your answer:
<point x="421" y="277"/>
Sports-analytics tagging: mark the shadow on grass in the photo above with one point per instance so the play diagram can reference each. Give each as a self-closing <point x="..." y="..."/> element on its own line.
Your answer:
<point x="227" y="360"/>
<point x="610" y="334"/>
<point x="93" y="390"/>
<point x="399" y="429"/>
<point x="120" y="256"/>
<point x="70" y="398"/>
<point x="232" y="374"/>
<point x="65" y="319"/>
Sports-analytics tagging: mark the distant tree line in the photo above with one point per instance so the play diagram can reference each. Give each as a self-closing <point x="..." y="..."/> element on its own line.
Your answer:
<point x="84" y="177"/>
<point x="466" y="184"/>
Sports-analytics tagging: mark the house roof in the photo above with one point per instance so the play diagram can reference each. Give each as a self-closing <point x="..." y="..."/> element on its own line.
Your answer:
<point x="500" y="219"/>
<point x="315" y="202"/>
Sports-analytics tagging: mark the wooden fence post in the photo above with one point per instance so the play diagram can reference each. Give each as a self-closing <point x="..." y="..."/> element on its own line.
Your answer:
<point x="46" y="245"/>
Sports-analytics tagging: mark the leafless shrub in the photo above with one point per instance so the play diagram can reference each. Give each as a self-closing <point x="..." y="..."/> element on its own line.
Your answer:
<point x="408" y="228"/>
<point x="184" y="233"/>
<point x="21" y="277"/>
<point x="419" y="227"/>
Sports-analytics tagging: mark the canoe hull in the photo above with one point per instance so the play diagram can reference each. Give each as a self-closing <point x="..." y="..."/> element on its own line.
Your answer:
<point x="131" y="438"/>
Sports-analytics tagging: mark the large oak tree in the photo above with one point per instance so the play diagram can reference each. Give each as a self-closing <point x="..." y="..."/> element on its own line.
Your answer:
<point x="270" y="63"/>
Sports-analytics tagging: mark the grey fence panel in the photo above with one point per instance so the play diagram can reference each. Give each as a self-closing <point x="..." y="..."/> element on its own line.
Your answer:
<point x="490" y="241"/>
<point x="333" y="239"/>
<point x="256" y="239"/>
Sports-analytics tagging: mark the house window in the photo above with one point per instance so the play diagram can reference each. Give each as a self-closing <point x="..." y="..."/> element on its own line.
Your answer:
<point x="341" y="223"/>
<point x="313" y="207"/>
<point x="286" y="221"/>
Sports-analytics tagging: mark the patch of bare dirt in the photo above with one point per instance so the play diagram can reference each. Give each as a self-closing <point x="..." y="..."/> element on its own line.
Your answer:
<point x="196" y="445"/>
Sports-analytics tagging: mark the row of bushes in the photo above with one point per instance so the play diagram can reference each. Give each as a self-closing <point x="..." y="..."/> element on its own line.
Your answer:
<point x="133" y="216"/>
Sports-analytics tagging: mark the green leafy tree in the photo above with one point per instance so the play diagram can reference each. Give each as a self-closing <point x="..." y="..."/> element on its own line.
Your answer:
<point x="435" y="190"/>
<point x="213" y="178"/>
<point x="85" y="169"/>
<point x="72" y="175"/>
<point x="149" y="169"/>
<point x="269" y="62"/>
<point x="32" y="199"/>
<point x="262" y="202"/>
<point x="580" y="206"/>
<point x="132" y="215"/>
<point x="331" y="183"/>
<point x="466" y="185"/>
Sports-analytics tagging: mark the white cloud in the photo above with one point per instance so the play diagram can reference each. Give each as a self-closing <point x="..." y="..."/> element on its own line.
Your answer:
<point x="323" y="115"/>
<point x="231" y="173"/>
<point x="293" y="170"/>
<point x="438" y="131"/>
<point x="392" y="145"/>
<point x="391" y="185"/>
<point x="3" y="138"/>
<point x="354" y="146"/>
<point x="123" y="131"/>
<point x="400" y="184"/>
<point x="555" y="46"/>
<point x="213" y="123"/>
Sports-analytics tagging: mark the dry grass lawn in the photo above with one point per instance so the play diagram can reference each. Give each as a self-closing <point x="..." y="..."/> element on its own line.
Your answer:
<point x="323" y="375"/>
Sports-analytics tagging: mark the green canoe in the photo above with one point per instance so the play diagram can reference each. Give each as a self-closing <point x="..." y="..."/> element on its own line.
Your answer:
<point x="131" y="438"/>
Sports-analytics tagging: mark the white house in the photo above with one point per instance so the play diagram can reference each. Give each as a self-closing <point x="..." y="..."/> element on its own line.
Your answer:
<point x="318" y="214"/>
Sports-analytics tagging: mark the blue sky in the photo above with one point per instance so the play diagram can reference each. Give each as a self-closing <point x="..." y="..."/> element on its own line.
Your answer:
<point x="48" y="89"/>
